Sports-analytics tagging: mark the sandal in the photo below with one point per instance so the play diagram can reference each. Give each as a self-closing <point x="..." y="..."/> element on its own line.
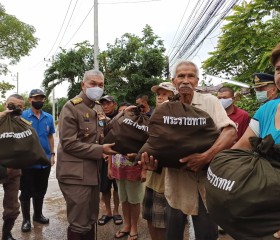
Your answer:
<point x="133" y="237"/>
<point x="104" y="219"/>
<point x="121" y="234"/>
<point x="118" y="219"/>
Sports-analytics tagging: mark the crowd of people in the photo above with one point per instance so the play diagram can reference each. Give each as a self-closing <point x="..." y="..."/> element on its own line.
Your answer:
<point x="87" y="167"/>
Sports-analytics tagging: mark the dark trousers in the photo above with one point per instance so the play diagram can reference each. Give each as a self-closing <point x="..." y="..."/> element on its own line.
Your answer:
<point x="204" y="227"/>
<point x="34" y="183"/>
<point x="10" y="200"/>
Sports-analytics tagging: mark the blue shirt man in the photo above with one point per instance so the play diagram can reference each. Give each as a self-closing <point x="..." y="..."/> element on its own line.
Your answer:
<point x="34" y="180"/>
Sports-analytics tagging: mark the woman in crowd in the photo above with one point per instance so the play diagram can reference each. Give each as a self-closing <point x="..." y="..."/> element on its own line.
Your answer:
<point x="267" y="118"/>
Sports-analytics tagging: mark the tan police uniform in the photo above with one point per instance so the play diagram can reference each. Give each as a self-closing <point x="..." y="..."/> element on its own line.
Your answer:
<point x="10" y="199"/>
<point x="81" y="126"/>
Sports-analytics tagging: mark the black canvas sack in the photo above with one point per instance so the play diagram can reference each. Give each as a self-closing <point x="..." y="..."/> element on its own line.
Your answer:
<point x="243" y="190"/>
<point x="128" y="130"/>
<point x="20" y="145"/>
<point x="177" y="130"/>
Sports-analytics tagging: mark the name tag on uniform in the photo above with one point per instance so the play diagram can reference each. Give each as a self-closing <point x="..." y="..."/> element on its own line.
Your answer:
<point x="101" y="123"/>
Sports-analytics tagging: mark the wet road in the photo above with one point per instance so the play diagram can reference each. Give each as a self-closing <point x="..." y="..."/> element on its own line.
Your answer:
<point x="54" y="208"/>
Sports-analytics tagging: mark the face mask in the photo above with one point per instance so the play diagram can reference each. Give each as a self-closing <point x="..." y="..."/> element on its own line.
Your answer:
<point x="226" y="102"/>
<point x="261" y="96"/>
<point x="94" y="93"/>
<point x="37" y="105"/>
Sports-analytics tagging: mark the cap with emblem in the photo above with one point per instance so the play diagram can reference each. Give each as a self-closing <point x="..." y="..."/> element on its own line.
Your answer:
<point x="36" y="92"/>
<point x="107" y="98"/>
<point x="164" y="85"/>
<point x="262" y="79"/>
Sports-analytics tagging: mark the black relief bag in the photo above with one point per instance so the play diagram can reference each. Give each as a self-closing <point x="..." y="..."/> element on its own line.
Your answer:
<point x="177" y="130"/>
<point x="20" y="145"/>
<point x="243" y="190"/>
<point x="128" y="130"/>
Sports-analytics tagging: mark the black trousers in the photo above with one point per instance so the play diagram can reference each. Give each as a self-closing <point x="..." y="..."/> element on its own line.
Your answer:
<point x="34" y="183"/>
<point x="204" y="227"/>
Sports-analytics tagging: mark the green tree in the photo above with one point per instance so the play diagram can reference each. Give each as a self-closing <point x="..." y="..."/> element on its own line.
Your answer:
<point x="133" y="65"/>
<point x="246" y="42"/>
<point x="4" y="87"/>
<point x="16" y="40"/>
<point x="130" y="66"/>
<point x="69" y="65"/>
<point x="245" y="45"/>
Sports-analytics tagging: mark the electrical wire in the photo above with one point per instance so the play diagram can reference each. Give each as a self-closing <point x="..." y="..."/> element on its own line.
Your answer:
<point x="60" y="29"/>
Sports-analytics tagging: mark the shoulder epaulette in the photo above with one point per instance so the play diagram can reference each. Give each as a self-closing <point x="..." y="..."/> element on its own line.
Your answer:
<point x="76" y="100"/>
<point x="97" y="102"/>
<point x="25" y="121"/>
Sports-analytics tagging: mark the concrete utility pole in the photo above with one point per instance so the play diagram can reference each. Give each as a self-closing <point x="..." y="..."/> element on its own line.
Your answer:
<point x="13" y="75"/>
<point x="50" y="60"/>
<point x="17" y="84"/>
<point x="96" y="48"/>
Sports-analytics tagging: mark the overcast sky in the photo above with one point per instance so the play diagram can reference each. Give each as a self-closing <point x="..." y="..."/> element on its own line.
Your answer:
<point x="116" y="17"/>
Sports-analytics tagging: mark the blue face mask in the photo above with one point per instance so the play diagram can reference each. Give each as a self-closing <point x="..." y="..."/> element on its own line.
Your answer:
<point x="226" y="102"/>
<point x="261" y="96"/>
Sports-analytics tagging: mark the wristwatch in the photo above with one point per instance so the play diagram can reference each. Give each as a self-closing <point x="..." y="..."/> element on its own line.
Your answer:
<point x="52" y="154"/>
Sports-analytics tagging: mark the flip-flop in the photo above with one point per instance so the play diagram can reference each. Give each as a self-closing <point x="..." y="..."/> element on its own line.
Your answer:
<point x="104" y="219"/>
<point x="121" y="234"/>
<point x="118" y="219"/>
<point x="134" y="236"/>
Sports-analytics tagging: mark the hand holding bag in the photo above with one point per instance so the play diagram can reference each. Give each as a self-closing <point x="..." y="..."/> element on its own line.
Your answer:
<point x="20" y="145"/>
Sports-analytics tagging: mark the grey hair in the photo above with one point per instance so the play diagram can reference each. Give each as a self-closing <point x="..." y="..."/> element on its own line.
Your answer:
<point x="93" y="72"/>
<point x="184" y="62"/>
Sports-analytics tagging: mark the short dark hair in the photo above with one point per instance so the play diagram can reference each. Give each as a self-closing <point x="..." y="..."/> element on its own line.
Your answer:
<point x="275" y="55"/>
<point x="143" y="96"/>
<point x="226" y="89"/>
<point x="17" y="96"/>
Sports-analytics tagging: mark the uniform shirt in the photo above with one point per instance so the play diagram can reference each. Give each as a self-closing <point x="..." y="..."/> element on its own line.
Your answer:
<point x="265" y="116"/>
<point x="44" y="127"/>
<point x="79" y="153"/>
<point x="181" y="186"/>
<point x="241" y="119"/>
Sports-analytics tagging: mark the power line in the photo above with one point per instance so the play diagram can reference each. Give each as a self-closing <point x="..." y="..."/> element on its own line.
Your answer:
<point x="131" y="2"/>
<point x="60" y="29"/>
<point x="79" y="26"/>
<point x="66" y="26"/>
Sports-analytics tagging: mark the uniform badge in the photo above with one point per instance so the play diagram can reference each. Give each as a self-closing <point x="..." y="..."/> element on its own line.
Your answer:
<point x="257" y="80"/>
<point x="86" y="134"/>
<point x="101" y="123"/>
<point x="86" y="117"/>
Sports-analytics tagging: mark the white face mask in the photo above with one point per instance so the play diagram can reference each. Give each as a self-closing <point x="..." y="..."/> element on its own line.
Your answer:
<point x="261" y="96"/>
<point x="226" y="102"/>
<point x="94" y="93"/>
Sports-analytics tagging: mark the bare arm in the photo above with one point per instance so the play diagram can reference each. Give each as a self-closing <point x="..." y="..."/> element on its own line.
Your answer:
<point x="51" y="142"/>
<point x="243" y="142"/>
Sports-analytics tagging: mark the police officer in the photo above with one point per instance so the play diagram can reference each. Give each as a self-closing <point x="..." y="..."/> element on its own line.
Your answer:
<point x="79" y="154"/>
<point x="265" y="87"/>
<point x="10" y="182"/>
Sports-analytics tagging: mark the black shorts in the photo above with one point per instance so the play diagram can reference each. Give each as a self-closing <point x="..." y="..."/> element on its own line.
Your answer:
<point x="106" y="183"/>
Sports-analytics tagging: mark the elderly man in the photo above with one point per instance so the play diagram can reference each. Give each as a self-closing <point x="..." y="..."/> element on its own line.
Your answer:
<point x="265" y="87"/>
<point x="185" y="188"/>
<point x="79" y="154"/>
